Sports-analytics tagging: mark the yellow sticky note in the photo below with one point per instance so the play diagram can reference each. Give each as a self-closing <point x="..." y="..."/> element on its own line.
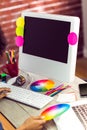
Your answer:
<point x="19" y="31"/>
<point x="20" y="22"/>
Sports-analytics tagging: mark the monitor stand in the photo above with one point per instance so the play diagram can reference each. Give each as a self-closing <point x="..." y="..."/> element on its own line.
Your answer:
<point x="30" y="78"/>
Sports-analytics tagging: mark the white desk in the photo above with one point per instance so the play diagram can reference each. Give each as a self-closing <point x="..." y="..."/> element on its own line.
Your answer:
<point x="17" y="112"/>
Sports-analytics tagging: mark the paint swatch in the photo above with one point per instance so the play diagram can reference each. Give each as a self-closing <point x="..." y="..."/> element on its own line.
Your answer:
<point x="54" y="111"/>
<point x="42" y="85"/>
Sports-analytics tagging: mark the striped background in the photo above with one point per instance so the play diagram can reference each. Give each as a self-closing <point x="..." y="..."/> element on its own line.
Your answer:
<point x="10" y="10"/>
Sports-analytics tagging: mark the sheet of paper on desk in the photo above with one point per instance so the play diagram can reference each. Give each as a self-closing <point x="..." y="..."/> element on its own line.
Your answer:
<point x="68" y="121"/>
<point x="66" y="97"/>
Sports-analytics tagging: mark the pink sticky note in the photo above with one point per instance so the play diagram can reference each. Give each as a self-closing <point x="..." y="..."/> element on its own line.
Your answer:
<point x="19" y="41"/>
<point x="72" y="38"/>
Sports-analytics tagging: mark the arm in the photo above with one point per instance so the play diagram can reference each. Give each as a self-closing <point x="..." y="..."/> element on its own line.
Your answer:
<point x="32" y="123"/>
<point x="1" y="128"/>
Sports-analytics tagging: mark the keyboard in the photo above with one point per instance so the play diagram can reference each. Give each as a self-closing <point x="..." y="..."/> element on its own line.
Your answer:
<point x="81" y="112"/>
<point x="26" y="96"/>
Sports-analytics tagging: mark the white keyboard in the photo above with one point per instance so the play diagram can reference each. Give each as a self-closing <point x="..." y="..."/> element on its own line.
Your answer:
<point x="27" y="97"/>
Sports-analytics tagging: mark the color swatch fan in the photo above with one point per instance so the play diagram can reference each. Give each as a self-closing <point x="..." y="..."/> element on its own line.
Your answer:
<point x="54" y="111"/>
<point x="42" y="85"/>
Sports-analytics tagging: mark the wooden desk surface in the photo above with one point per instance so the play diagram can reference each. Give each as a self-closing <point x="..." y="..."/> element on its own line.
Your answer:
<point x="5" y="123"/>
<point x="16" y="112"/>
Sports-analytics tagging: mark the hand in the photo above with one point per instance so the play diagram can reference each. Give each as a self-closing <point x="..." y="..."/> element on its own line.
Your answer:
<point x="33" y="123"/>
<point x="3" y="92"/>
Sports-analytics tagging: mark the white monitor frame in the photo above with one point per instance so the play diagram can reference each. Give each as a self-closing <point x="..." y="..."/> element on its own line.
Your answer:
<point x="48" y="68"/>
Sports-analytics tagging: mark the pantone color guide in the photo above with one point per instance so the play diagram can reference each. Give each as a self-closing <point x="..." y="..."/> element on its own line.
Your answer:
<point x="42" y="85"/>
<point x="54" y="111"/>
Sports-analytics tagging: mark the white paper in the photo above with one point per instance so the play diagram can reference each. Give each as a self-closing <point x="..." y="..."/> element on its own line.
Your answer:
<point x="69" y="120"/>
<point x="65" y="98"/>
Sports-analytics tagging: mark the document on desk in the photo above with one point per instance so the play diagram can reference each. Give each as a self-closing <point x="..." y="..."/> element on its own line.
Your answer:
<point x="69" y="120"/>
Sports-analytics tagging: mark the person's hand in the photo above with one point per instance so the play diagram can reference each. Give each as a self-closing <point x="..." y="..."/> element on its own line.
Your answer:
<point x="33" y="123"/>
<point x="3" y="92"/>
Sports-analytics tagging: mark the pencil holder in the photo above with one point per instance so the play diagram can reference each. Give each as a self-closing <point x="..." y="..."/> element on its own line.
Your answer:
<point x="12" y="69"/>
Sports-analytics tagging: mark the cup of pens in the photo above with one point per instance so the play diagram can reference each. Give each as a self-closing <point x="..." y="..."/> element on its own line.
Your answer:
<point x="12" y="69"/>
<point x="11" y="64"/>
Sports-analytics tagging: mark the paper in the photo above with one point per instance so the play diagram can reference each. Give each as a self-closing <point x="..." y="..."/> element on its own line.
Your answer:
<point x="68" y="121"/>
<point x="69" y="97"/>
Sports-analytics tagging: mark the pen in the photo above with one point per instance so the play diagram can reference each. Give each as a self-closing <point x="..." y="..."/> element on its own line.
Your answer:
<point x="53" y="90"/>
<point x="57" y="91"/>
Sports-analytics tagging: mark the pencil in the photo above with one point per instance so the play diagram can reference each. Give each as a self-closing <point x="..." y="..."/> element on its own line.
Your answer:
<point x="8" y="57"/>
<point x="54" y="93"/>
<point x="58" y="91"/>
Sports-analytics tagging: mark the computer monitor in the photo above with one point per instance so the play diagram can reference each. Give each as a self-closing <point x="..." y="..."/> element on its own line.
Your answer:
<point x="46" y="50"/>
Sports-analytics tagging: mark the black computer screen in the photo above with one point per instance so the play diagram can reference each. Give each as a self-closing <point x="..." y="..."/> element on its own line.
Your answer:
<point x="46" y="38"/>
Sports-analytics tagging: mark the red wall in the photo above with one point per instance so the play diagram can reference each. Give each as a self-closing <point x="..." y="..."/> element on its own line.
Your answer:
<point x="10" y="10"/>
